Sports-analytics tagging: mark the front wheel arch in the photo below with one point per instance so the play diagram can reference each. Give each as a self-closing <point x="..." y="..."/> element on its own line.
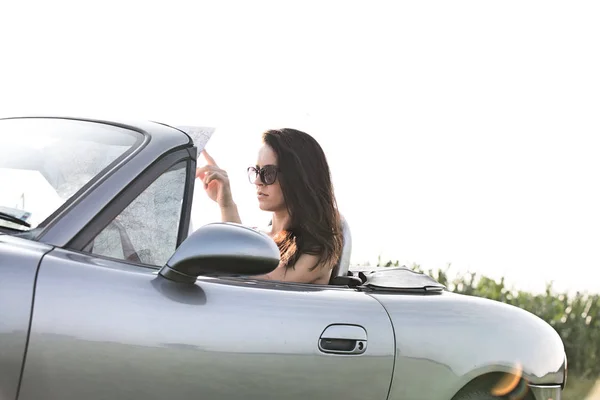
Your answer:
<point x="495" y="386"/>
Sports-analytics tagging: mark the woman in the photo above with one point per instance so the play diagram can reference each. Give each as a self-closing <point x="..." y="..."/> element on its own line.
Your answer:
<point x="293" y="182"/>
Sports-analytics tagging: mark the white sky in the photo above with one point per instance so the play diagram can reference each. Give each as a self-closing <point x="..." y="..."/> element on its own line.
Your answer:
<point x="461" y="132"/>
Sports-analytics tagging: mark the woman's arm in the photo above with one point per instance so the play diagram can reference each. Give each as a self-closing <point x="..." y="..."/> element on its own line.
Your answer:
<point x="302" y="272"/>
<point x="230" y="214"/>
<point x="216" y="185"/>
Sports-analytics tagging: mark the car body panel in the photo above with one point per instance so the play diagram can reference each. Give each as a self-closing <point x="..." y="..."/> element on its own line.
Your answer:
<point x="19" y="260"/>
<point x="451" y="339"/>
<point x="104" y="330"/>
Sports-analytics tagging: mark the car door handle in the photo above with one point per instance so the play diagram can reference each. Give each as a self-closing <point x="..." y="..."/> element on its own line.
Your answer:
<point x="343" y="339"/>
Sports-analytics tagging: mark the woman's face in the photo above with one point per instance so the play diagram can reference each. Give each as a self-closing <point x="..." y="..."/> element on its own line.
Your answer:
<point x="270" y="196"/>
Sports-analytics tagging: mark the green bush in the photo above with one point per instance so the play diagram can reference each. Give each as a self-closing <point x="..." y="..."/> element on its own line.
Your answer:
<point x="576" y="318"/>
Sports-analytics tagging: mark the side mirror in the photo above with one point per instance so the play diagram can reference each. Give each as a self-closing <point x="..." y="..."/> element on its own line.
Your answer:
<point x="222" y="248"/>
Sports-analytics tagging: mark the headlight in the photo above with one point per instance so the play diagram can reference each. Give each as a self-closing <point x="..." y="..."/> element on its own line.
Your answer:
<point x="546" y="392"/>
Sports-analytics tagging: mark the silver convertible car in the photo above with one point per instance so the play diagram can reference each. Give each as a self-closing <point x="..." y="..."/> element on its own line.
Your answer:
<point x="106" y="293"/>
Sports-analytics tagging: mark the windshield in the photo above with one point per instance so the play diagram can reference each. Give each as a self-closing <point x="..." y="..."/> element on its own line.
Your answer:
<point x="43" y="162"/>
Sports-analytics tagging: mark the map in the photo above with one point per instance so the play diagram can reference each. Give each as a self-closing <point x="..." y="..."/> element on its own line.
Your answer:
<point x="199" y="134"/>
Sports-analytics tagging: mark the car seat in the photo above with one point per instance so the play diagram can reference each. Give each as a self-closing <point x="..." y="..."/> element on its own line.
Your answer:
<point x="343" y="264"/>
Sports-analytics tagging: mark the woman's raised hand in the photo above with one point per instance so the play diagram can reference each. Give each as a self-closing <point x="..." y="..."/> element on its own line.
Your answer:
<point x="216" y="182"/>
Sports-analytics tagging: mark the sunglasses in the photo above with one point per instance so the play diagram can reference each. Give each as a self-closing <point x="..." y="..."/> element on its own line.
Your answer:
<point x="268" y="174"/>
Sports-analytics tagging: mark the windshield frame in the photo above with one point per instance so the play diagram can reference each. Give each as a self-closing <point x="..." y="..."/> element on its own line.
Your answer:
<point x="141" y="140"/>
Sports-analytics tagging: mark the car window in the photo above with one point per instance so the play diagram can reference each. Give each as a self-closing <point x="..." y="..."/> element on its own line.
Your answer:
<point x="146" y="230"/>
<point x="45" y="161"/>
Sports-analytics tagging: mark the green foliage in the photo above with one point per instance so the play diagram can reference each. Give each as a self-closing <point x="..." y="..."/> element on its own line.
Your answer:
<point x="576" y="318"/>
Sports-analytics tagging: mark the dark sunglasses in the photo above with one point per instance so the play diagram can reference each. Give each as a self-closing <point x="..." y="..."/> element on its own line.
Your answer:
<point x="268" y="174"/>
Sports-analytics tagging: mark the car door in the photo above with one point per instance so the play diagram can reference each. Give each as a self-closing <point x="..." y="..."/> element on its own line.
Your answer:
<point x="19" y="259"/>
<point x="108" y="330"/>
<point x="106" y="326"/>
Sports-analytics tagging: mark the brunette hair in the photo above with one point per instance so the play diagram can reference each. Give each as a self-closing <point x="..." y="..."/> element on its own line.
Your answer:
<point x="305" y="181"/>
